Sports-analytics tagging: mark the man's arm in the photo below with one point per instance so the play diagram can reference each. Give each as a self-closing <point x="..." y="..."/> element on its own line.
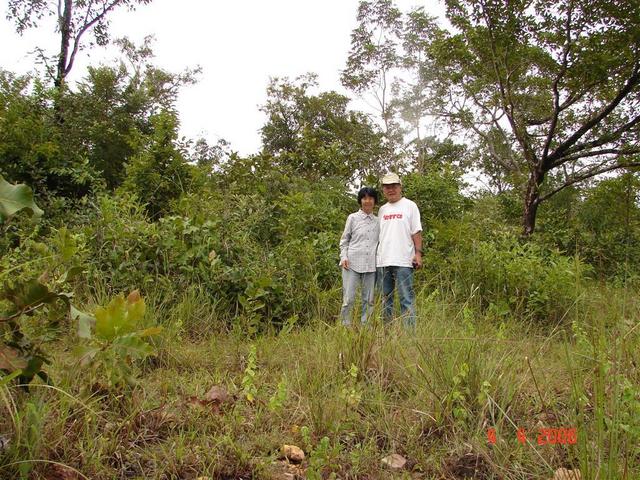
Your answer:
<point x="417" y="244"/>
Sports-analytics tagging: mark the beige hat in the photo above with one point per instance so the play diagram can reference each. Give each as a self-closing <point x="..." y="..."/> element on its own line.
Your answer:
<point x="391" y="178"/>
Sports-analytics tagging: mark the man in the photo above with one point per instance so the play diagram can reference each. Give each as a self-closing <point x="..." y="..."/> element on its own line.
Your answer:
<point x="399" y="249"/>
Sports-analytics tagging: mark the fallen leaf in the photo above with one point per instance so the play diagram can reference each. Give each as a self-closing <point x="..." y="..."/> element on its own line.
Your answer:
<point x="56" y="471"/>
<point x="217" y="394"/>
<point x="11" y="359"/>
<point x="134" y="296"/>
<point x="394" y="461"/>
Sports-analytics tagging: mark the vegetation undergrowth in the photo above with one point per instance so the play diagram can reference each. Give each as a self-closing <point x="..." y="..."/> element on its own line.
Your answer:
<point x="349" y="397"/>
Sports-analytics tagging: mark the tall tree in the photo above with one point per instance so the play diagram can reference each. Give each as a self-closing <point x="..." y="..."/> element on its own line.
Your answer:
<point x="547" y="85"/>
<point x="75" y="18"/>
<point x="374" y="54"/>
<point x="318" y="136"/>
<point x="389" y="62"/>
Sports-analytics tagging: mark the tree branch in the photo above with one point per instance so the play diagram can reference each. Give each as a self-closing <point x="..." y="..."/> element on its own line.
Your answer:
<point x="87" y="26"/>
<point x="556" y="81"/>
<point x="587" y="175"/>
<point x="630" y="84"/>
<point x="604" y="139"/>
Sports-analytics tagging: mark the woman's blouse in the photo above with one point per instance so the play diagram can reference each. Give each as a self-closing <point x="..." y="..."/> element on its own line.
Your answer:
<point x="359" y="241"/>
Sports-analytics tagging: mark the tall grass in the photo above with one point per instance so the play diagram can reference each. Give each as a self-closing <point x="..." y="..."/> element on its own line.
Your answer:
<point x="350" y="397"/>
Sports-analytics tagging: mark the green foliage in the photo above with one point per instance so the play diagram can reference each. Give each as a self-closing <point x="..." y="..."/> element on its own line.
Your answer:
<point x="33" y="148"/>
<point x="31" y="310"/>
<point x="115" y="339"/>
<point x="262" y="257"/>
<point x="479" y="256"/>
<point x="527" y="279"/>
<point x="609" y="226"/>
<point x="437" y="194"/>
<point x="316" y="136"/>
<point x="14" y="198"/>
<point x="249" y="387"/>
<point x="159" y="175"/>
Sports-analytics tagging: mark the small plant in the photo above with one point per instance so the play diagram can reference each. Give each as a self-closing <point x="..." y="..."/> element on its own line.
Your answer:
<point x="460" y="393"/>
<point x="321" y="456"/>
<point x="118" y="339"/>
<point x="351" y="392"/>
<point x="249" y="388"/>
<point x="278" y="399"/>
<point x="30" y="310"/>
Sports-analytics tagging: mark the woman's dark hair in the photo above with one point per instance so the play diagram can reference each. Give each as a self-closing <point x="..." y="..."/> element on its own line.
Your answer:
<point x="367" y="192"/>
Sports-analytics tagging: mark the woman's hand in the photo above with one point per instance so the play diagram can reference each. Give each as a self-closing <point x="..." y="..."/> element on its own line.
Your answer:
<point x="345" y="264"/>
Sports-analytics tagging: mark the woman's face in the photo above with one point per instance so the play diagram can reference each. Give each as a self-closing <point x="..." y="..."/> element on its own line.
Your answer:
<point x="367" y="203"/>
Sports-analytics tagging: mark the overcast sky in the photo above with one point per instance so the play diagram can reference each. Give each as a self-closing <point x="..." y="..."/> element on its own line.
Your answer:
<point x="238" y="44"/>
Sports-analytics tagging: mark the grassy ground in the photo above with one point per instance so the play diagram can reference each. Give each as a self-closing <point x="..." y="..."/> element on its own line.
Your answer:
<point x="348" y="398"/>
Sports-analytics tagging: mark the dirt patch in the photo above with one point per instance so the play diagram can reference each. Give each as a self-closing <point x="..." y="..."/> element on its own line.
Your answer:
<point x="468" y="466"/>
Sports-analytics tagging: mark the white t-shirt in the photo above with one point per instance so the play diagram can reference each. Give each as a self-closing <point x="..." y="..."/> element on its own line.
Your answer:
<point x="398" y="221"/>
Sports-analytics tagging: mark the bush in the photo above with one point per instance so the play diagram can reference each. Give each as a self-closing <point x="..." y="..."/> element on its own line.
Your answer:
<point x="266" y="259"/>
<point x="480" y="256"/>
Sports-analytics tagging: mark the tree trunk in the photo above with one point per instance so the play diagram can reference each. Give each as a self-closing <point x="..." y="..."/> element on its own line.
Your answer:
<point x="65" y="37"/>
<point x="531" y="202"/>
<point x="61" y="70"/>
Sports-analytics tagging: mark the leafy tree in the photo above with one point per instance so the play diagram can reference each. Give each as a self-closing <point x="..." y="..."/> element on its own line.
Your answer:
<point x="549" y="86"/>
<point x="374" y="54"/>
<point x="108" y="122"/>
<point x="110" y="113"/>
<point x="159" y="174"/>
<point x="609" y="219"/>
<point x="33" y="149"/>
<point x="387" y="62"/>
<point x="74" y="19"/>
<point x="317" y="136"/>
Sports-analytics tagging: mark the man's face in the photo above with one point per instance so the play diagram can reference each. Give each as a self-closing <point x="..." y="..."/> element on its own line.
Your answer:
<point x="392" y="192"/>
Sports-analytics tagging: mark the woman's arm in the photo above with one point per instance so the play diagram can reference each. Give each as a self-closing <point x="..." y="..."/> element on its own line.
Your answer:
<point x="344" y="244"/>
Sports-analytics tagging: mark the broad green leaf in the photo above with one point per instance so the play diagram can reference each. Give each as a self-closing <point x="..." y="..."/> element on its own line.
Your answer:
<point x="111" y="320"/>
<point x="85" y="322"/>
<point x="34" y="367"/>
<point x="14" y="198"/>
<point x="120" y="316"/>
<point x="132" y="346"/>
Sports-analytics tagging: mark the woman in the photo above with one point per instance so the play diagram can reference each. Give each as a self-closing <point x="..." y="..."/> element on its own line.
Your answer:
<point x="358" y="255"/>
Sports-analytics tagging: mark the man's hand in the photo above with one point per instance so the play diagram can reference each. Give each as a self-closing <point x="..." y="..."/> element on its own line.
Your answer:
<point x="417" y="260"/>
<point x="345" y="264"/>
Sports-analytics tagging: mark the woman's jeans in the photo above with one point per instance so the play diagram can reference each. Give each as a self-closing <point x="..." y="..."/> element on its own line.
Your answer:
<point x="402" y="279"/>
<point x="350" y="282"/>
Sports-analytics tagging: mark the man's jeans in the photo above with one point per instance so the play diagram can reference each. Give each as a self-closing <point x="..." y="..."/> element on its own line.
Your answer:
<point x="402" y="279"/>
<point x="350" y="282"/>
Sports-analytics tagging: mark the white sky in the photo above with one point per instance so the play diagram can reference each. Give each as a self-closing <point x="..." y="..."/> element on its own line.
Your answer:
<point x="238" y="44"/>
